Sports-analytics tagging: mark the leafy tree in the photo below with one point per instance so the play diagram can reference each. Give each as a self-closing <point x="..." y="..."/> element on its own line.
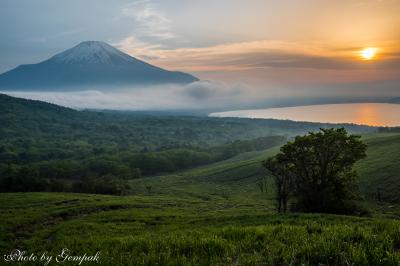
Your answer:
<point x="320" y="167"/>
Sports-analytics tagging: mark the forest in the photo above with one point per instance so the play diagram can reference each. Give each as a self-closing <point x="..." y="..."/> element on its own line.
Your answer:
<point x="45" y="147"/>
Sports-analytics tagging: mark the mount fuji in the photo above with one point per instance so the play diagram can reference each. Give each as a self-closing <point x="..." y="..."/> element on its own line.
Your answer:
<point x="90" y="63"/>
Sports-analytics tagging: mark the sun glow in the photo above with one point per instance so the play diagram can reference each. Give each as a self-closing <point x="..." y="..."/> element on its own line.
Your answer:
<point x="368" y="53"/>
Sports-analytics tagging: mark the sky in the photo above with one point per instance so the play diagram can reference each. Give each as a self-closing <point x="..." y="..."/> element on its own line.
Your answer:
<point x="286" y="48"/>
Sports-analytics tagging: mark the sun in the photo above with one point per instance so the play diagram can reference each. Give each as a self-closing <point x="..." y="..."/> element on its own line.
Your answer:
<point x="368" y="53"/>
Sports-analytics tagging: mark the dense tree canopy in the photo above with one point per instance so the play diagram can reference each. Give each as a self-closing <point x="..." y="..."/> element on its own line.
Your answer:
<point x="316" y="170"/>
<point x="53" y="145"/>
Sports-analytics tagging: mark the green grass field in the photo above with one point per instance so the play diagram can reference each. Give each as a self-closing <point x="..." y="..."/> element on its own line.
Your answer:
<point x="237" y="176"/>
<point x="381" y="169"/>
<point x="211" y="215"/>
<point x="178" y="230"/>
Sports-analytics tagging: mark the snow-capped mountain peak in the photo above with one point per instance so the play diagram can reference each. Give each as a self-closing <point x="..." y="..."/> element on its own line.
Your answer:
<point x="92" y="52"/>
<point x="87" y="65"/>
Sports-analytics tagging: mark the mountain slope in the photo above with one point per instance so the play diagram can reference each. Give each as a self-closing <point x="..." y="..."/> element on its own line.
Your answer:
<point x="21" y="117"/>
<point x="30" y="108"/>
<point x="89" y="63"/>
<point x="35" y="129"/>
<point x="240" y="176"/>
<point x="380" y="171"/>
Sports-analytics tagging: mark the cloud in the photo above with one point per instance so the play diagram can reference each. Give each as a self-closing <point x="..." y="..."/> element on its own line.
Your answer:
<point x="148" y="20"/>
<point x="151" y="30"/>
<point x="261" y="54"/>
<point x="197" y="95"/>
<point x="213" y="96"/>
<point x="206" y="90"/>
<point x="143" y="50"/>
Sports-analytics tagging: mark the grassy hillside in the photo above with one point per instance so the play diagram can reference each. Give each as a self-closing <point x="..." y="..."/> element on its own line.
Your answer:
<point x="188" y="230"/>
<point x="228" y="179"/>
<point x="210" y="215"/>
<point x="380" y="171"/>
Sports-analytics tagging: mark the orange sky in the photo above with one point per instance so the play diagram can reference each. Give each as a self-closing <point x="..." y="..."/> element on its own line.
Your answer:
<point x="271" y="42"/>
<point x="283" y="45"/>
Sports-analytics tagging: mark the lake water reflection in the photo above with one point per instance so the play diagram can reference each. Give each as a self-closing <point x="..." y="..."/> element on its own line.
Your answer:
<point x="373" y="114"/>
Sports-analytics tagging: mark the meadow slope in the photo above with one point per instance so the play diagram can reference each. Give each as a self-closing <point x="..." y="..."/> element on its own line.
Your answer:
<point x="210" y="215"/>
<point x="240" y="175"/>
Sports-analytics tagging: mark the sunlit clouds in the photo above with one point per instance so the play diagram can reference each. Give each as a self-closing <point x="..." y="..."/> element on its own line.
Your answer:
<point x="249" y="55"/>
<point x="282" y="47"/>
<point x="368" y="53"/>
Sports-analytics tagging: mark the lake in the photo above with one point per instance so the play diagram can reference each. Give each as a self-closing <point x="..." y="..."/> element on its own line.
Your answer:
<point x="372" y="114"/>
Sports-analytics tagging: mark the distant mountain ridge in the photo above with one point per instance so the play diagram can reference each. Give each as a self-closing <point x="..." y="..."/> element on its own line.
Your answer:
<point x="89" y="63"/>
<point x="395" y="100"/>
